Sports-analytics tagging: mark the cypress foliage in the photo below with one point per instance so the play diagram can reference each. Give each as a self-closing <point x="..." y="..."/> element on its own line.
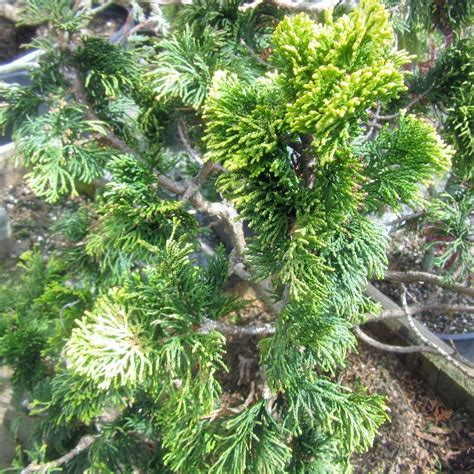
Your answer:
<point x="121" y="327"/>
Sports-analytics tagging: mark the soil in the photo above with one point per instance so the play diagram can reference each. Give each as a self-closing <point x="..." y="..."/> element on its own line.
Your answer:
<point x="31" y="219"/>
<point x="406" y="254"/>
<point x="423" y="435"/>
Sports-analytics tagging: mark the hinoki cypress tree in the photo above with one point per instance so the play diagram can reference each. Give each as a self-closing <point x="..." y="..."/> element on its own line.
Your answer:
<point x="119" y="338"/>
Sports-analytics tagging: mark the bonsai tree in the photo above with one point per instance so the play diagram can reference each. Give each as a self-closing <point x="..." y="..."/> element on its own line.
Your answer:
<point x="118" y="338"/>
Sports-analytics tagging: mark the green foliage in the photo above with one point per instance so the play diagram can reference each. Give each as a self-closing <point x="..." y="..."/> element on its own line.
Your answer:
<point x="415" y="150"/>
<point x="119" y="324"/>
<point x="185" y="67"/>
<point x="353" y="419"/>
<point x="36" y="317"/>
<point x="212" y="35"/>
<point x="58" y="147"/>
<point x="58" y="12"/>
<point x="108" y="70"/>
<point x="300" y="178"/>
<point x="287" y="140"/>
<point x="426" y="14"/>
<point x="20" y="102"/>
<point x="131" y="214"/>
<point x="111" y="75"/>
<point x="256" y="443"/>
<point x="449" y="230"/>
<point x="252" y="26"/>
<point x="448" y="85"/>
<point x="108" y="346"/>
<point x="186" y="64"/>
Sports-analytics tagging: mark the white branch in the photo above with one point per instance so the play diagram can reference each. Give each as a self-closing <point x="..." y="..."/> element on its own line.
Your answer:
<point x="27" y="61"/>
<point x="231" y="330"/>
<point x="297" y="5"/>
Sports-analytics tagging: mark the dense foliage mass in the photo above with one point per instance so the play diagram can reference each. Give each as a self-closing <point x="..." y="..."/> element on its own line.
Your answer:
<point x="118" y="335"/>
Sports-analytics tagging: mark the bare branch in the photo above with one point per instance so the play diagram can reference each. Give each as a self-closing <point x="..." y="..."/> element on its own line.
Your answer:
<point x="420" y="308"/>
<point x="231" y="330"/>
<point x="7" y="151"/>
<point x="9" y="12"/>
<point x="294" y="6"/>
<point x="197" y="181"/>
<point x="263" y="290"/>
<point x="388" y="347"/>
<point x="27" y="61"/>
<point x="409" y="106"/>
<point x="101" y="8"/>
<point x="441" y="308"/>
<point x="183" y="136"/>
<point x="425" y="277"/>
<point x="408" y="217"/>
<point x="84" y="443"/>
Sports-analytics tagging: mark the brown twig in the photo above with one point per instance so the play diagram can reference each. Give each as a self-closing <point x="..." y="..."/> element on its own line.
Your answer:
<point x="409" y="106"/>
<point x="252" y="53"/>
